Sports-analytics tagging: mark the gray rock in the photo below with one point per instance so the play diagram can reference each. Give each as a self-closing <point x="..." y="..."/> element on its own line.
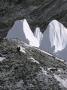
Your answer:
<point x="20" y="72"/>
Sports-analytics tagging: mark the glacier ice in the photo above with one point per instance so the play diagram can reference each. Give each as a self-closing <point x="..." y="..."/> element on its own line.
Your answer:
<point x="38" y="34"/>
<point x="21" y="30"/>
<point x="55" y="39"/>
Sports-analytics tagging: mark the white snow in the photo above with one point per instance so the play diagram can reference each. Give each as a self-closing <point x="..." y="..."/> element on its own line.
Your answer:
<point x="63" y="82"/>
<point x="49" y="69"/>
<point x="21" y="30"/>
<point x="38" y="34"/>
<point x="45" y="52"/>
<point x="33" y="60"/>
<point x="55" y="40"/>
<point x="2" y="58"/>
<point x="22" y="49"/>
<point x="43" y="71"/>
<point x="60" y="70"/>
<point x="60" y="59"/>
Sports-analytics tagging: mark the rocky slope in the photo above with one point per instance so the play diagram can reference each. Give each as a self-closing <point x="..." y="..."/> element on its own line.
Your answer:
<point x="30" y="69"/>
<point x="37" y="12"/>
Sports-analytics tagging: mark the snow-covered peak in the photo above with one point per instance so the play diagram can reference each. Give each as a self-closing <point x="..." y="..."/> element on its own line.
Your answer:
<point x="54" y="38"/>
<point x="21" y="30"/>
<point x="58" y="34"/>
<point x="38" y="34"/>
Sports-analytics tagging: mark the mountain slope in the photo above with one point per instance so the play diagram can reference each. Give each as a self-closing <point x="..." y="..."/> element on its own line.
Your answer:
<point x="30" y="69"/>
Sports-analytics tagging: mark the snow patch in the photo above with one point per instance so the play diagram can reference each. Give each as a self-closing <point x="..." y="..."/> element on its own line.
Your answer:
<point x="45" y="52"/>
<point x="33" y="60"/>
<point x="43" y="71"/>
<point x="2" y="58"/>
<point x="60" y="59"/>
<point x="63" y="82"/>
<point x="22" y="49"/>
<point x="55" y="69"/>
<point x="60" y="70"/>
<point x="52" y="69"/>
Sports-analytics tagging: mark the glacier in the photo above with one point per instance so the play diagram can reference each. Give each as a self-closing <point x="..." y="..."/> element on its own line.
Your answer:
<point x="55" y="39"/>
<point x="38" y="34"/>
<point x="21" y="31"/>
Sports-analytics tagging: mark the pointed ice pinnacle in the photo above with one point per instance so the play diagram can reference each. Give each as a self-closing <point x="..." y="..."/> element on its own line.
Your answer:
<point x="21" y="31"/>
<point x="55" y="39"/>
<point x="38" y="34"/>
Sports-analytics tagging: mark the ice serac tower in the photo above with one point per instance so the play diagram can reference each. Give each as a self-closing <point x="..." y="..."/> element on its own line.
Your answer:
<point x="21" y="31"/>
<point x="55" y="39"/>
<point x="38" y="34"/>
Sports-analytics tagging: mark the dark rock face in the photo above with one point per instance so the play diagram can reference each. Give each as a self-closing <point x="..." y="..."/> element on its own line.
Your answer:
<point x="30" y="70"/>
<point x="37" y="12"/>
